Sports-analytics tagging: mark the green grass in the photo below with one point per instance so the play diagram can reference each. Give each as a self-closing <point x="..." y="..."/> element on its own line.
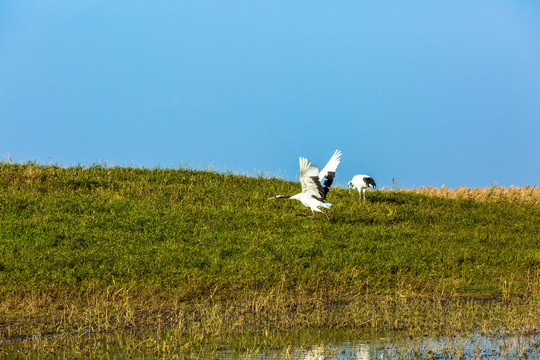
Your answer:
<point x="200" y="233"/>
<point x="81" y="243"/>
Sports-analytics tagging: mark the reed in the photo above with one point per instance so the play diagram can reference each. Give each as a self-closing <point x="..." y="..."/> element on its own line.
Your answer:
<point x="512" y="194"/>
<point x="205" y="321"/>
<point x="400" y="329"/>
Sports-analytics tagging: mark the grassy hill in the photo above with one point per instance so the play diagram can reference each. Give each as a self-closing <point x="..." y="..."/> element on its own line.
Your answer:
<point x="194" y="235"/>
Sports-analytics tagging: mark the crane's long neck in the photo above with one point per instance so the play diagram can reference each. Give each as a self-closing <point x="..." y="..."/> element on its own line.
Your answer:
<point x="281" y="197"/>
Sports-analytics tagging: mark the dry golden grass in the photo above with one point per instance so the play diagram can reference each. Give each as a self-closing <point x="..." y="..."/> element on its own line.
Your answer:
<point x="111" y="309"/>
<point x="512" y="194"/>
<point x="125" y="323"/>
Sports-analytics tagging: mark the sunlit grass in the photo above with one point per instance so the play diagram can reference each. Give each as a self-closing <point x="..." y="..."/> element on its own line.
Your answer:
<point x="204" y="255"/>
<point x="511" y="194"/>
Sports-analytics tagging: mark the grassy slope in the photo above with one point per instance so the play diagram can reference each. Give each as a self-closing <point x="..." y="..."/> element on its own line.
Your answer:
<point x="196" y="233"/>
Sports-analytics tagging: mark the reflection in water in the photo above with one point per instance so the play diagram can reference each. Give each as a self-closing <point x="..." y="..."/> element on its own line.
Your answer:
<point x="298" y="346"/>
<point x="357" y="352"/>
<point x="478" y="346"/>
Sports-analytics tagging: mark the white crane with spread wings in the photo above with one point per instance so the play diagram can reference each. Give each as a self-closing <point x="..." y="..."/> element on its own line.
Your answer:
<point x="315" y="184"/>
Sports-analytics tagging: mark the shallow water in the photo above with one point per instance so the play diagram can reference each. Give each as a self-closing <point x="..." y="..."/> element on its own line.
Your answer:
<point x="303" y="346"/>
<point x="476" y="346"/>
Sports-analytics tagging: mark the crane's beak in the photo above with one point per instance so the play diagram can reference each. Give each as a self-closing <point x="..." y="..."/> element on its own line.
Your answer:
<point x="272" y="198"/>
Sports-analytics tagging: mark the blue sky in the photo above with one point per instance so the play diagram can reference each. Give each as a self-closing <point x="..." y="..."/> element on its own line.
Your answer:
<point x="426" y="92"/>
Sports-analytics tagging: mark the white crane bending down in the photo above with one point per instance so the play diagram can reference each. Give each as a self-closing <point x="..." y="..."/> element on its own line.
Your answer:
<point x="361" y="183"/>
<point x="315" y="184"/>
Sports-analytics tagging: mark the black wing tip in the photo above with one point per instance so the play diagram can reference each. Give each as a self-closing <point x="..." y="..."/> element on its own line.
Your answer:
<point x="370" y="182"/>
<point x="328" y="180"/>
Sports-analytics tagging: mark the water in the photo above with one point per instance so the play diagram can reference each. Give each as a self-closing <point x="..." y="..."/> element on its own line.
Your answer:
<point x="303" y="346"/>
<point x="476" y="346"/>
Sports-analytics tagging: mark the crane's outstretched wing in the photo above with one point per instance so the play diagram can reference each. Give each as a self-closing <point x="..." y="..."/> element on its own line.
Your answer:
<point x="309" y="178"/>
<point x="327" y="174"/>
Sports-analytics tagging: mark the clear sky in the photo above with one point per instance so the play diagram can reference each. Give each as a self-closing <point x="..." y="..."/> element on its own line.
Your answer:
<point x="426" y="92"/>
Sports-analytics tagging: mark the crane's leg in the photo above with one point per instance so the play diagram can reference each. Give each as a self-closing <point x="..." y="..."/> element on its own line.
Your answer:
<point x="324" y="215"/>
<point x="313" y="215"/>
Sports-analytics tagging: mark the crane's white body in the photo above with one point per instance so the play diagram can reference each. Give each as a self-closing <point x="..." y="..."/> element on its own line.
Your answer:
<point x="315" y="184"/>
<point x="362" y="183"/>
<point x="311" y="202"/>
